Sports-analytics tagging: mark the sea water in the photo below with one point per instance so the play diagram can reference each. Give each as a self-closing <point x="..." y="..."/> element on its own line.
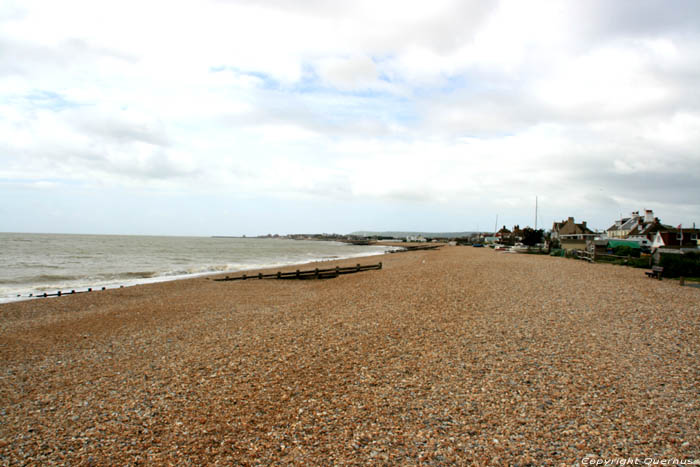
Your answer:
<point x="38" y="263"/>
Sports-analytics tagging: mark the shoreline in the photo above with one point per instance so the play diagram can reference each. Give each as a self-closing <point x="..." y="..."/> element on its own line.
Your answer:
<point x="453" y="356"/>
<point x="116" y="284"/>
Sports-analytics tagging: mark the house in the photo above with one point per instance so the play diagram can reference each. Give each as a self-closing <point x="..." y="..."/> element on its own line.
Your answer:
<point x="637" y="226"/>
<point x="648" y="229"/>
<point x="569" y="229"/>
<point x="676" y="238"/>
<point x="517" y="234"/>
<point x="572" y="236"/>
<point x="503" y="233"/>
<point x="642" y="240"/>
<point x="621" y="227"/>
<point x="504" y="236"/>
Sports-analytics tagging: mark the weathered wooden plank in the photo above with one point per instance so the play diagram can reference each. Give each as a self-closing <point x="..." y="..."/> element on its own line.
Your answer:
<point x="307" y="274"/>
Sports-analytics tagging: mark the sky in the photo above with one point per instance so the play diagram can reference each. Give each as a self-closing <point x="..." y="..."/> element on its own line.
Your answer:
<point x="246" y="117"/>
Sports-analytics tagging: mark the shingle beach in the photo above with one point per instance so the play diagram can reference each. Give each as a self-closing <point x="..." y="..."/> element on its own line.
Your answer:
<point x="455" y="356"/>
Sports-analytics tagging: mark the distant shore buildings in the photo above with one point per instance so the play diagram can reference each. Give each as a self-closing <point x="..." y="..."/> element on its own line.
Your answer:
<point x="645" y="229"/>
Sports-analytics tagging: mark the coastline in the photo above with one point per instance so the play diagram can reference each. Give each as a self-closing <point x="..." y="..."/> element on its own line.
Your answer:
<point x="81" y="285"/>
<point x="446" y="356"/>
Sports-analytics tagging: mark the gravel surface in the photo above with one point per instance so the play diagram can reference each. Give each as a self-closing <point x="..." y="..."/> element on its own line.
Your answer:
<point x="455" y="356"/>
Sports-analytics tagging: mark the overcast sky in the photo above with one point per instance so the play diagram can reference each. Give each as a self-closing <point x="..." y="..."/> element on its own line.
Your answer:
<point x="255" y="117"/>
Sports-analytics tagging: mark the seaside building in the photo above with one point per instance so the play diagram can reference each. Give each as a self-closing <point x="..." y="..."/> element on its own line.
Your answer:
<point x="517" y="234"/>
<point x="572" y="236"/>
<point x="569" y="229"/>
<point x="677" y="239"/>
<point x="504" y="235"/>
<point x="637" y="225"/>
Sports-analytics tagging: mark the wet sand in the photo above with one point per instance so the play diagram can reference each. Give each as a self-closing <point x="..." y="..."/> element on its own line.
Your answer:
<point x="460" y="355"/>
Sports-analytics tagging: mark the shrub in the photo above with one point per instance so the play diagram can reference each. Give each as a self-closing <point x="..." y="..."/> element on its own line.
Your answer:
<point x="532" y="237"/>
<point x="674" y="265"/>
<point x="623" y="250"/>
<point x="639" y="262"/>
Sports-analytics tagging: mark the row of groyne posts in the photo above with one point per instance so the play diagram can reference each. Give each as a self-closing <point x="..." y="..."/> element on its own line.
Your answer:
<point x="317" y="273"/>
<point x="61" y="293"/>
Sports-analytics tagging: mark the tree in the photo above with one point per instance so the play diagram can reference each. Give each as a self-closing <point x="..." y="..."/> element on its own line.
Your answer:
<point x="532" y="237"/>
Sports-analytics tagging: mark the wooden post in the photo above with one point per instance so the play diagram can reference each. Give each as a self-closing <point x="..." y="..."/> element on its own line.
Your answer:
<point x="316" y="273"/>
<point x="681" y="281"/>
<point x="358" y="266"/>
<point x="298" y="275"/>
<point x="244" y="277"/>
<point x="279" y="275"/>
<point x="260" y="275"/>
<point x="380" y="265"/>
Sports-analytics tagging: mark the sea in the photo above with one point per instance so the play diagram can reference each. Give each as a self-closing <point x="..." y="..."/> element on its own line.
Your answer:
<point x="34" y="264"/>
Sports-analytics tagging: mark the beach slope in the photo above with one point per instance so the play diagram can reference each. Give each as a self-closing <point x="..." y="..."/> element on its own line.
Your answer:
<point x="450" y="356"/>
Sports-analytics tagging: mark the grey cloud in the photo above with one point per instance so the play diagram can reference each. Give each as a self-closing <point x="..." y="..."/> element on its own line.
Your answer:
<point x="307" y="7"/>
<point x="679" y="188"/>
<point x="101" y="160"/>
<point x="646" y="18"/>
<point x="27" y="58"/>
<point x="441" y="33"/>
<point x="593" y="171"/>
<point x="335" y="187"/>
<point x="119" y="130"/>
<point x="485" y="114"/>
<point x="157" y="165"/>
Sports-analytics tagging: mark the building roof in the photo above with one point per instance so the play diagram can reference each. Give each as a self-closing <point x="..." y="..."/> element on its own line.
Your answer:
<point x="613" y="227"/>
<point x="651" y="228"/>
<point x="629" y="243"/>
<point x="569" y="227"/>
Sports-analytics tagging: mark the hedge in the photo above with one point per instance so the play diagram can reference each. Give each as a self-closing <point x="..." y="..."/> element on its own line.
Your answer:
<point x="687" y="265"/>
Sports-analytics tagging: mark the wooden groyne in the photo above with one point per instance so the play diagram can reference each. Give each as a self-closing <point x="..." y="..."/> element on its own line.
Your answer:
<point x="61" y="293"/>
<point x="416" y="248"/>
<point x="329" y="273"/>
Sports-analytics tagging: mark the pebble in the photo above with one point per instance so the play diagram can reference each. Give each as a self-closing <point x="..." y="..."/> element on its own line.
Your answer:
<point x="455" y="356"/>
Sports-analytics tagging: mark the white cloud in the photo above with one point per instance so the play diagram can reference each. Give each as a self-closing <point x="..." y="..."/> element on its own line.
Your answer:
<point x="355" y="73"/>
<point x="448" y="102"/>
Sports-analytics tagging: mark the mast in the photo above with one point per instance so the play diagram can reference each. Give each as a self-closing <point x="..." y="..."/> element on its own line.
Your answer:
<point x="535" y="212"/>
<point x="495" y="229"/>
